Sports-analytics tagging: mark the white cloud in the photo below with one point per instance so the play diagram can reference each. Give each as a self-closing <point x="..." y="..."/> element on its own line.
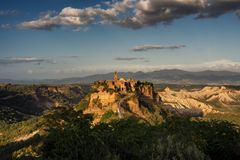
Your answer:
<point x="221" y="65"/>
<point x="77" y="17"/>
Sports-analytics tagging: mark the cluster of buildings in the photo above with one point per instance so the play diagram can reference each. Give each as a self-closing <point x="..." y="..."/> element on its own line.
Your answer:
<point x="123" y="86"/>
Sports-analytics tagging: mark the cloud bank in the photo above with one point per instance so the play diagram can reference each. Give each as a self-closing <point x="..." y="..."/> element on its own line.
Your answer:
<point x="154" y="47"/>
<point x="18" y="60"/>
<point x="134" y="13"/>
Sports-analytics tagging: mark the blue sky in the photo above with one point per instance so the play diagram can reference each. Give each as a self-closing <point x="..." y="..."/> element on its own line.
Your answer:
<point x="74" y="38"/>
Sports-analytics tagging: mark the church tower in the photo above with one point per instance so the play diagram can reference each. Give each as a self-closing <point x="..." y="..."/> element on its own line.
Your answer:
<point x="115" y="76"/>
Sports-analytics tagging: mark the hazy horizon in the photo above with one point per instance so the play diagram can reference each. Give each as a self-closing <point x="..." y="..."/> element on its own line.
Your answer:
<point x="111" y="72"/>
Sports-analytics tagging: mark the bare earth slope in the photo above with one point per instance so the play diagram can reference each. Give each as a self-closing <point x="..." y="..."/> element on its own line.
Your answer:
<point x="206" y="100"/>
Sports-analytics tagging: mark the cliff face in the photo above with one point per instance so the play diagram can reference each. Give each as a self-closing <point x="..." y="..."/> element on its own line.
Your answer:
<point x="147" y="90"/>
<point x="134" y="105"/>
<point x="105" y="98"/>
<point x="100" y="103"/>
<point x="118" y="104"/>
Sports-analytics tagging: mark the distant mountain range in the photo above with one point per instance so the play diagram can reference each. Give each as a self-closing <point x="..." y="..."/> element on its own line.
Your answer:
<point x="172" y="76"/>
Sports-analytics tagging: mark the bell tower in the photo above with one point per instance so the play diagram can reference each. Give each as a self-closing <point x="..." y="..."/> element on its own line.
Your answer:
<point x="115" y="76"/>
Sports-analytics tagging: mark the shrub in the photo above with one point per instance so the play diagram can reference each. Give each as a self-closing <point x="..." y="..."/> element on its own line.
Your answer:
<point x="107" y="116"/>
<point x="173" y="147"/>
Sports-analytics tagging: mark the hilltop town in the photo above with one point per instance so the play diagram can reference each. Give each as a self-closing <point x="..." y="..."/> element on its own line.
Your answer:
<point x="124" y="86"/>
<point x="121" y="97"/>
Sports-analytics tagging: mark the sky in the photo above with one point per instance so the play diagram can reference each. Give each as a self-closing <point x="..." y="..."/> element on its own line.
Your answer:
<point x="73" y="38"/>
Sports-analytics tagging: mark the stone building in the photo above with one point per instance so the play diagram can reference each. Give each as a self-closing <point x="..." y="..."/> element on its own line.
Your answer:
<point x="123" y="86"/>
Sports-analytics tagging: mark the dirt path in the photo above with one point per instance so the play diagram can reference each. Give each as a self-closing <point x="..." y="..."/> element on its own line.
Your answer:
<point x="119" y="105"/>
<point x="26" y="137"/>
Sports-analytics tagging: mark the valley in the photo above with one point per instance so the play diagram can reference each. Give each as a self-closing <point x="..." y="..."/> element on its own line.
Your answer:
<point x="19" y="102"/>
